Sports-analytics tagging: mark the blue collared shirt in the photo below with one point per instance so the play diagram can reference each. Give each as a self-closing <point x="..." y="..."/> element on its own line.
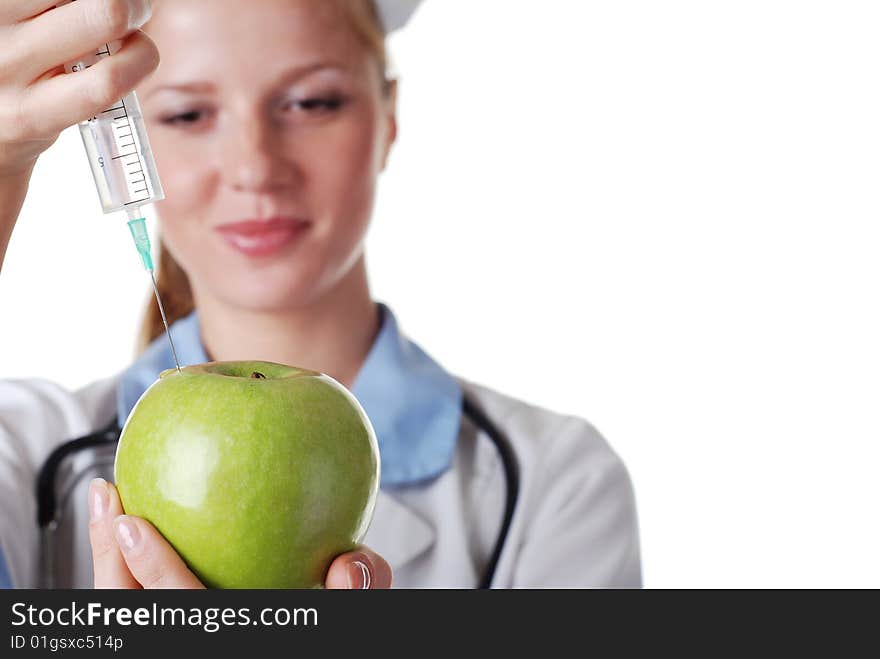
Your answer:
<point x="413" y="403"/>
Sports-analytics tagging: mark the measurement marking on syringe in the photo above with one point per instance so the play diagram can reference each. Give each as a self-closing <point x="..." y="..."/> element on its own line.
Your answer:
<point x="120" y="155"/>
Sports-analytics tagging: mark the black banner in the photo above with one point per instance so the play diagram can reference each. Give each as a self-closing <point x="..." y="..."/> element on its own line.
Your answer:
<point x="278" y="623"/>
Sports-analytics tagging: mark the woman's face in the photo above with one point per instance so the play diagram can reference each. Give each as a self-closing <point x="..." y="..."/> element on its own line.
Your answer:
<point x="269" y="127"/>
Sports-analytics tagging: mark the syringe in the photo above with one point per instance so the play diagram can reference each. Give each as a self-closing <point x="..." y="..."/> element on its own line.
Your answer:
<point x="123" y="166"/>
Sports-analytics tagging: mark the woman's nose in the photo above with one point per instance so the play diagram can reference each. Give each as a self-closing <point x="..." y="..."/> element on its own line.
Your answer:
<point x="252" y="158"/>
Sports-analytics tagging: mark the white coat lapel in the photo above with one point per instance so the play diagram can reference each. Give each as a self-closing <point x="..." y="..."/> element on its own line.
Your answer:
<point x="397" y="533"/>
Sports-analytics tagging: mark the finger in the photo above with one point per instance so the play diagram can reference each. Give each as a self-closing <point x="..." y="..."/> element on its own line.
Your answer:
<point x="359" y="569"/>
<point x="52" y="105"/>
<point x="109" y="566"/>
<point x="12" y="11"/>
<point x="68" y="33"/>
<point x="150" y="558"/>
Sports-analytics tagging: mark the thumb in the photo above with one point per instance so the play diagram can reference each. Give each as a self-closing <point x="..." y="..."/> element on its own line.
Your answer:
<point x="359" y="569"/>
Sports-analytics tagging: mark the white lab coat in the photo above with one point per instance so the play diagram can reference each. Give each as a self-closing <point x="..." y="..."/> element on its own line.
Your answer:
<point x="574" y="526"/>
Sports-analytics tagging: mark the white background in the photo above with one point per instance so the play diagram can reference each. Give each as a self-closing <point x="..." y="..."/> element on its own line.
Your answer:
<point x="661" y="216"/>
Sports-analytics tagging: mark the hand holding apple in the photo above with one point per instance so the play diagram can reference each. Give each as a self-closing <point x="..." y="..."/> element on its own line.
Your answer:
<point x="128" y="553"/>
<point x="257" y="474"/>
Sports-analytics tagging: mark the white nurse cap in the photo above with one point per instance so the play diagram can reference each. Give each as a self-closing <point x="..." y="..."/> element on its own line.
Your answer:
<point x="396" y="13"/>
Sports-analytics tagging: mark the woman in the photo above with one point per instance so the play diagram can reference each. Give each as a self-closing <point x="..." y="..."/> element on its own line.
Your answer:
<point x="270" y="127"/>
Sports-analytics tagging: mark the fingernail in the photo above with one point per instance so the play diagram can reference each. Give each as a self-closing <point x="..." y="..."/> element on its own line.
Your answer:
<point x="99" y="499"/>
<point x="139" y="12"/>
<point x="127" y="534"/>
<point x="358" y="576"/>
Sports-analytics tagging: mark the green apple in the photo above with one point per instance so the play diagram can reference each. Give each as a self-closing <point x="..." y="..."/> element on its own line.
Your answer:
<point x="258" y="474"/>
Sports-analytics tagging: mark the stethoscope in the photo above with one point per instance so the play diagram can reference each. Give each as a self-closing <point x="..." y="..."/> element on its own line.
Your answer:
<point x="47" y="503"/>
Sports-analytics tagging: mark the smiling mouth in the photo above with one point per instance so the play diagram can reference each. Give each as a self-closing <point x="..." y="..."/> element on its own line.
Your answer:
<point x="258" y="238"/>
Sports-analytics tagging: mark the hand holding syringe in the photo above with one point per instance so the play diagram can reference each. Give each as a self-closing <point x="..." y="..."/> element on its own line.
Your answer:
<point x="37" y="39"/>
<point x="122" y="163"/>
<point x="36" y="102"/>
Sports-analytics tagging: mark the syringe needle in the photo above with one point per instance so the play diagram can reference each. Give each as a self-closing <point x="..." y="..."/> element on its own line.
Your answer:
<point x="165" y="320"/>
<point x="138" y="226"/>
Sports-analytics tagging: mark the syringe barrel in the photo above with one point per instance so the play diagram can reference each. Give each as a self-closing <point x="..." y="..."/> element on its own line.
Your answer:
<point x="117" y="146"/>
<point x="120" y="156"/>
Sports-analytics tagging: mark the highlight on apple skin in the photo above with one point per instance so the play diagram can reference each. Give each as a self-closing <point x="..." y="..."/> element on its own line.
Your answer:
<point x="258" y="474"/>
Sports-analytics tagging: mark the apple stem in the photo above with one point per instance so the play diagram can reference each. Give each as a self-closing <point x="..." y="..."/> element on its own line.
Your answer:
<point x="256" y="375"/>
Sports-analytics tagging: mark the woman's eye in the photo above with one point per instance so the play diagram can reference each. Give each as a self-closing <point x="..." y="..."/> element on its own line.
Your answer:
<point x="312" y="105"/>
<point x="184" y="118"/>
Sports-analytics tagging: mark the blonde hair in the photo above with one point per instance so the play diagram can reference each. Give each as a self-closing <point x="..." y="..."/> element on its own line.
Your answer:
<point x="172" y="281"/>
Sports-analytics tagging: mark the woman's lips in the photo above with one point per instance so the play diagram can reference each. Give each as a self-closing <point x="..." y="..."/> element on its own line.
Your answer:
<point x="263" y="237"/>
